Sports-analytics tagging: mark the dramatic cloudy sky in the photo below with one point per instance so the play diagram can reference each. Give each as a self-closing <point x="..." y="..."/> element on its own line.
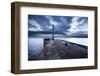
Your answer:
<point x="65" y="24"/>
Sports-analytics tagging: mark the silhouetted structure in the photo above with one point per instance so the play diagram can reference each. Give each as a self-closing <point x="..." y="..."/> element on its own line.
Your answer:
<point x="53" y="32"/>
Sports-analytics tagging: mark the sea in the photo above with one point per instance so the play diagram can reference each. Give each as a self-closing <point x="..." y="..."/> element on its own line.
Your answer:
<point x="35" y="45"/>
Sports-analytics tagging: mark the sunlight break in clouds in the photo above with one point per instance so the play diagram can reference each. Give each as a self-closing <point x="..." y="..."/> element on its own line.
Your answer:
<point x="52" y="22"/>
<point x="35" y="23"/>
<point x="78" y="26"/>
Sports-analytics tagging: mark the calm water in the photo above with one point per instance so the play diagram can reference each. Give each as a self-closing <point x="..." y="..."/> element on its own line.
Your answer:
<point x="35" y="45"/>
<point x="82" y="41"/>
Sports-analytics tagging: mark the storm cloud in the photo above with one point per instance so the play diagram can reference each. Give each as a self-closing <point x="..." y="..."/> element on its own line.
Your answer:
<point x="71" y="24"/>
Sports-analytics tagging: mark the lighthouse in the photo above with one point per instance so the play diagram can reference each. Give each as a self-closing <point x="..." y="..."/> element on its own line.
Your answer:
<point x="53" y="32"/>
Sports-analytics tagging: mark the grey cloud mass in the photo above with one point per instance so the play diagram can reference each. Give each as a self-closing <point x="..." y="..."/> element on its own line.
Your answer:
<point x="71" y="24"/>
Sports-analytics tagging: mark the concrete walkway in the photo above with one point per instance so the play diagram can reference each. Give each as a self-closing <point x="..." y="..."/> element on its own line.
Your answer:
<point x="60" y="49"/>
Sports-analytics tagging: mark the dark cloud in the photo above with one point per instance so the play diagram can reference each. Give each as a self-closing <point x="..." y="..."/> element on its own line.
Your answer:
<point x="62" y="23"/>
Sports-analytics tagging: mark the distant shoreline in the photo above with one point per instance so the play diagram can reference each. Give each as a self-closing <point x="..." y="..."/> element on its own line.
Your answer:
<point x="56" y="37"/>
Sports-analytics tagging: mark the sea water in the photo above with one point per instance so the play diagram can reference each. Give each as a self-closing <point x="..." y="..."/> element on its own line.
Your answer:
<point x="36" y="45"/>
